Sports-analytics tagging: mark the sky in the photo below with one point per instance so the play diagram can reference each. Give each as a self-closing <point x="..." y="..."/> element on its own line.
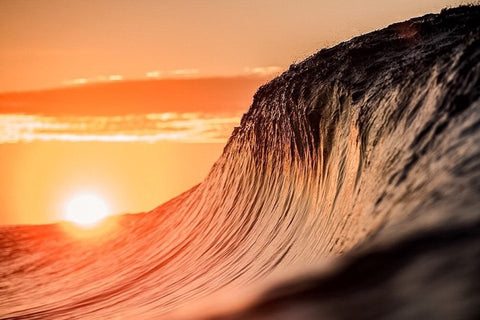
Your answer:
<point x="52" y="43"/>
<point x="134" y="100"/>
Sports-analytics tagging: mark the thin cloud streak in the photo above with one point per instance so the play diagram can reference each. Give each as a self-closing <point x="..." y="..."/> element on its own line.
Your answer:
<point x="75" y="82"/>
<point x="172" y="74"/>
<point x="150" y="128"/>
<point x="264" y="71"/>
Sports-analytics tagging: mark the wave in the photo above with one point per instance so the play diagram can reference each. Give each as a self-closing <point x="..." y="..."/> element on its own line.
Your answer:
<point x="367" y="152"/>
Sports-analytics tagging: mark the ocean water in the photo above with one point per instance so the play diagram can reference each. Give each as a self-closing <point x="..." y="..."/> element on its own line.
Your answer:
<point x="366" y="153"/>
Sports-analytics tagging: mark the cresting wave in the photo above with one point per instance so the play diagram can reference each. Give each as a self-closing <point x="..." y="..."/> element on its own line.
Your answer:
<point x="370" y="150"/>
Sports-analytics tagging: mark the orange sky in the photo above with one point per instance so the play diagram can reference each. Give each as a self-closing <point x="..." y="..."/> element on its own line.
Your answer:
<point x="37" y="179"/>
<point x="134" y="144"/>
<point x="49" y="43"/>
<point x="205" y="95"/>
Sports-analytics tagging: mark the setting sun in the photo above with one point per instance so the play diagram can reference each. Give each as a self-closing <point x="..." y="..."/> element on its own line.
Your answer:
<point x="86" y="210"/>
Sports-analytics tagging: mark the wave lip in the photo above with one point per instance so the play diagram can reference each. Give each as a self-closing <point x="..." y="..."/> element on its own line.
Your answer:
<point x="369" y="149"/>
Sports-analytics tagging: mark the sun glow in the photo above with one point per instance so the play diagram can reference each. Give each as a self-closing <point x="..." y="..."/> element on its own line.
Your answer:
<point x="86" y="210"/>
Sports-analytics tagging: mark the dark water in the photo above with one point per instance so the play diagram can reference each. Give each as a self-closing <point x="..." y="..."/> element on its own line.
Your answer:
<point x="369" y="150"/>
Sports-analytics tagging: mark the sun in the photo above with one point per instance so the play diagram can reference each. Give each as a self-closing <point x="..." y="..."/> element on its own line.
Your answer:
<point x="86" y="210"/>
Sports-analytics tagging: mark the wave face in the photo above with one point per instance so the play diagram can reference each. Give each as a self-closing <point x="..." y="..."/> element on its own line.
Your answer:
<point x="362" y="145"/>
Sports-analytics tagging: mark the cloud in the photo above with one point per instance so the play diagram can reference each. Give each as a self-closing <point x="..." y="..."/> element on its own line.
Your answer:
<point x="178" y="127"/>
<point x="184" y="72"/>
<point x="154" y="74"/>
<point x="264" y="71"/>
<point x="78" y="81"/>
<point x="176" y="73"/>
<point x="115" y="77"/>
